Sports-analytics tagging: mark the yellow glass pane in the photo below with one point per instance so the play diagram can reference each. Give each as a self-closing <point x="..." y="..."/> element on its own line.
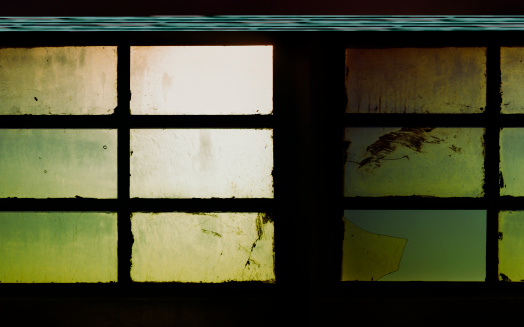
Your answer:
<point x="511" y="161"/>
<point x="202" y="247"/>
<point x="512" y="77"/>
<point x="416" y="80"/>
<point x="58" y="81"/>
<point x="58" y="247"/>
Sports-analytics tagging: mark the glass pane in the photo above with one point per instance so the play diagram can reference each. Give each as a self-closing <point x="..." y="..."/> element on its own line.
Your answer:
<point x="201" y="80"/>
<point x="201" y="163"/>
<point x="58" y="81"/>
<point x="512" y="78"/>
<point x="58" y="247"/>
<point x="443" y="162"/>
<point x="511" y="245"/>
<point x="414" y="245"/>
<point x="511" y="161"/>
<point x="415" y="80"/>
<point x="202" y="247"/>
<point x="58" y="163"/>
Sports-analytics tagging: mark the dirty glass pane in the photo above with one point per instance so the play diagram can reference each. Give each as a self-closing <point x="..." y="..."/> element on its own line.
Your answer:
<point x="511" y="245"/>
<point x="443" y="162"/>
<point x="58" y="247"/>
<point x="511" y="161"/>
<point x="202" y="247"/>
<point x="416" y="80"/>
<point x="201" y="80"/>
<point x="201" y="163"/>
<point x="58" y="81"/>
<point x="512" y="79"/>
<point x="414" y="245"/>
<point x="58" y="163"/>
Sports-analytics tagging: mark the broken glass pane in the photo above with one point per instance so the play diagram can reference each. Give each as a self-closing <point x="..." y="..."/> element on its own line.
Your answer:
<point x="202" y="247"/>
<point x="201" y="80"/>
<point x="58" y="163"/>
<point x="58" y="81"/>
<point x="58" y="247"/>
<point x="511" y="161"/>
<point x="511" y="245"/>
<point x="443" y="162"/>
<point x="512" y="77"/>
<point x="414" y="245"/>
<point x="416" y="80"/>
<point x="201" y="163"/>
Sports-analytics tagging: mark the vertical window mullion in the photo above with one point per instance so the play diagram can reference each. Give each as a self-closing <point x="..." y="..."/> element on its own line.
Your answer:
<point x="125" y="237"/>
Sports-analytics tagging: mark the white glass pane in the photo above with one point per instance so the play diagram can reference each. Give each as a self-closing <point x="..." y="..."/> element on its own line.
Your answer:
<point x="202" y="247"/>
<point x="443" y="162"/>
<point x="201" y="80"/>
<point x="58" y="81"/>
<point x="58" y="163"/>
<point x="58" y="247"/>
<point x="416" y="80"/>
<point x="201" y="163"/>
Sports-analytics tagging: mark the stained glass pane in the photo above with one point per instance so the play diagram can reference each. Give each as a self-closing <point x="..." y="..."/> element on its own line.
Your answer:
<point x="58" y="81"/>
<point x="202" y="247"/>
<point x="511" y="245"/>
<point x="443" y="162"/>
<point x="512" y="78"/>
<point x="414" y="245"/>
<point x="511" y="161"/>
<point x="58" y="247"/>
<point x="416" y="80"/>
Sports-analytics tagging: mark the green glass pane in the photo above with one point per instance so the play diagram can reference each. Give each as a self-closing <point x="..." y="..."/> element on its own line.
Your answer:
<point x="511" y="245"/>
<point x="201" y="163"/>
<point x="416" y="80"/>
<point x="511" y="161"/>
<point x="443" y="162"/>
<point x="58" y="247"/>
<point x="414" y="245"/>
<point x="512" y="77"/>
<point x="202" y="247"/>
<point x="202" y="80"/>
<point x="58" y="81"/>
<point x="58" y="163"/>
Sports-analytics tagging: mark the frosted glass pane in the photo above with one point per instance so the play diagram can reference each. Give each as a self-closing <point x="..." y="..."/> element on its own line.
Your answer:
<point x="201" y="163"/>
<point x="58" y="163"/>
<point x="416" y="80"/>
<point x="443" y="162"/>
<point x="58" y="81"/>
<point x="511" y="245"/>
<point x="58" y="247"/>
<point x="512" y="79"/>
<point x="414" y="245"/>
<point x="201" y="80"/>
<point x="511" y="161"/>
<point x="200" y="247"/>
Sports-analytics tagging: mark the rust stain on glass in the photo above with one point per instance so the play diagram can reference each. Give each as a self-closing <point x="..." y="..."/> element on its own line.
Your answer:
<point x="416" y="80"/>
<point x="443" y="162"/>
<point x="202" y="247"/>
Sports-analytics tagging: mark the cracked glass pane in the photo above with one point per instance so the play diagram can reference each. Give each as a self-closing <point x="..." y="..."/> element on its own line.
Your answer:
<point x="511" y="161"/>
<point x="201" y="80"/>
<point x="58" y="81"/>
<point x="58" y="163"/>
<point x="443" y="162"/>
<point x="202" y="247"/>
<point x="416" y="80"/>
<point x="414" y="245"/>
<point x="58" y="247"/>
<point x="511" y="246"/>
<point x="512" y="78"/>
<point x="201" y="163"/>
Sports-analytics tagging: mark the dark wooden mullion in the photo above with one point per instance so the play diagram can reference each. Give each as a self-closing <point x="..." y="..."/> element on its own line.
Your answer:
<point x="492" y="159"/>
<point x="122" y="113"/>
